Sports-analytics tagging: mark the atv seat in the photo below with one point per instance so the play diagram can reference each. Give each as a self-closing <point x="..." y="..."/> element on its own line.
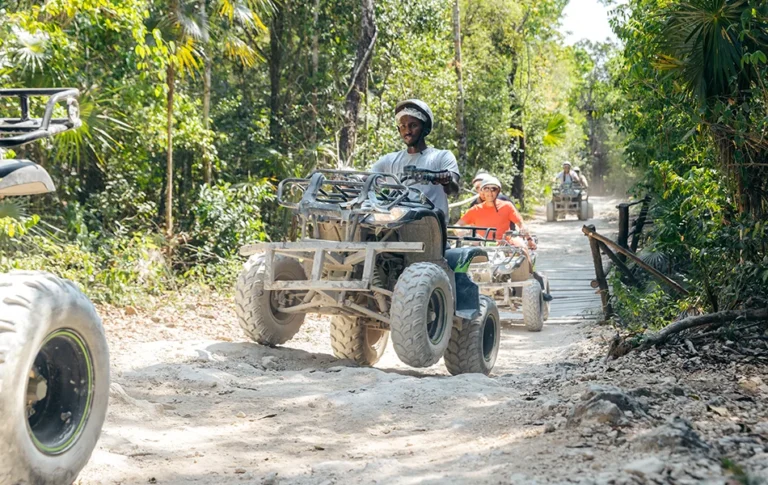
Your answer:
<point x="22" y="177"/>
<point x="459" y="259"/>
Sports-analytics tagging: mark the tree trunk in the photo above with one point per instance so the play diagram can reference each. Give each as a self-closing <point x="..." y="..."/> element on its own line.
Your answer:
<point x="275" y="60"/>
<point x="170" y="79"/>
<point x="207" y="61"/>
<point x="460" y="128"/>
<point x="368" y="33"/>
<point x="315" y="60"/>
<point x="517" y="142"/>
<point x="518" y="159"/>
<point x="207" y="112"/>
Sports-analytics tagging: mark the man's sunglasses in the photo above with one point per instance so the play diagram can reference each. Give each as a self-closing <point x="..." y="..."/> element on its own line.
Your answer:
<point x="490" y="189"/>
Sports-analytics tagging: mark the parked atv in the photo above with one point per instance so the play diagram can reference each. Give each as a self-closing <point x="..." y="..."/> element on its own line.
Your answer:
<point x="54" y="361"/>
<point x="372" y="254"/>
<point x="569" y="199"/>
<point x="507" y="276"/>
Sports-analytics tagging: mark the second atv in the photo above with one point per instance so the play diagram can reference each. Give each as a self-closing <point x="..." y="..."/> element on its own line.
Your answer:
<point x="508" y="276"/>
<point x="372" y="254"/>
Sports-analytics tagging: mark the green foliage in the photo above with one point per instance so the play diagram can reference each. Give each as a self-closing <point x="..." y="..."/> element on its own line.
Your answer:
<point x="226" y="217"/>
<point x="274" y="113"/>
<point x="693" y="77"/>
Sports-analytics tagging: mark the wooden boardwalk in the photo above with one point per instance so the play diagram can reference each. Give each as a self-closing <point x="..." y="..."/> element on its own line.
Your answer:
<point x="565" y="258"/>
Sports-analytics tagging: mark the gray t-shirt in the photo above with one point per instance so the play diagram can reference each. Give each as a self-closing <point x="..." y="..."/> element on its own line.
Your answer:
<point x="431" y="159"/>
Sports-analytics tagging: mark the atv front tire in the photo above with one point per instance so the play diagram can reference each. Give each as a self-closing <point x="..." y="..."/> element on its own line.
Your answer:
<point x="54" y="379"/>
<point x="256" y="307"/>
<point x="551" y="214"/>
<point x="533" y="307"/>
<point x="584" y="211"/>
<point x="474" y="348"/>
<point x="352" y="339"/>
<point x="422" y="314"/>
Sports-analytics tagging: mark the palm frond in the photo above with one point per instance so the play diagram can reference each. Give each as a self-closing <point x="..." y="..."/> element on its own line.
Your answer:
<point x="187" y="57"/>
<point x="237" y="49"/>
<point x="554" y="134"/>
<point x="31" y="51"/>
<point x="702" y="45"/>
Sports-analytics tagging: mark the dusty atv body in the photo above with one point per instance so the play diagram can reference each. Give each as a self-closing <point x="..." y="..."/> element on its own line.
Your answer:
<point x="569" y="199"/>
<point x="54" y="360"/>
<point x="372" y="254"/>
<point x="507" y="277"/>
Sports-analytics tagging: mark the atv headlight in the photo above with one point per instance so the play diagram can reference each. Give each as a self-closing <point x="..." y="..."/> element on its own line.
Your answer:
<point x="394" y="214"/>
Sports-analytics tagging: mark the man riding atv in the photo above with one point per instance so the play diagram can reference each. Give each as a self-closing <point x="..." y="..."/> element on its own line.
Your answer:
<point x="414" y="122"/>
<point x="567" y="176"/>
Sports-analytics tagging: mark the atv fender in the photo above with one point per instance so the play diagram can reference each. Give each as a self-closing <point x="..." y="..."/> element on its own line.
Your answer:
<point x="459" y="259"/>
<point x="22" y="177"/>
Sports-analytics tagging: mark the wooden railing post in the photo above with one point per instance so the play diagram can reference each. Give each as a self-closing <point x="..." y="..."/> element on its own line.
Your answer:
<point x="599" y="273"/>
<point x="623" y="227"/>
<point x="639" y="223"/>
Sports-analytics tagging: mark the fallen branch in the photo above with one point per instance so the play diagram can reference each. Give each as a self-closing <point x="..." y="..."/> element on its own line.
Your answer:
<point x="699" y="320"/>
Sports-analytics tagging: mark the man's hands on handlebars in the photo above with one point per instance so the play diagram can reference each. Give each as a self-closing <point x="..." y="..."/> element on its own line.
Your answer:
<point x="442" y="178"/>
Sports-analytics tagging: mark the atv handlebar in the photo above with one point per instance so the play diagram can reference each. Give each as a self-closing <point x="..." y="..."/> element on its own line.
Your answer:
<point x="423" y="175"/>
<point x="336" y="190"/>
<point x="24" y="129"/>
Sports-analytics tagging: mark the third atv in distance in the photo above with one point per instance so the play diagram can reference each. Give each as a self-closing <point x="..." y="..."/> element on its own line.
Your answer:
<point x="569" y="198"/>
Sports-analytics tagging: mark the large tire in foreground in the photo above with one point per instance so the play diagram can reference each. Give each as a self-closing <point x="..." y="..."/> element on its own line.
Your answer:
<point x="352" y="339"/>
<point x="422" y="314"/>
<point x="54" y="379"/>
<point x="474" y="348"/>
<point x="256" y="307"/>
<point x="533" y="307"/>
<point x="551" y="215"/>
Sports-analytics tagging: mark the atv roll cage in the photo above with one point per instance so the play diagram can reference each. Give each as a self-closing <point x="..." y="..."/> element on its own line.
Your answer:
<point x="23" y="177"/>
<point x="24" y="129"/>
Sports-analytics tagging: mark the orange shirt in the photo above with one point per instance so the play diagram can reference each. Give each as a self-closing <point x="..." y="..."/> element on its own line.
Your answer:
<point x="498" y="217"/>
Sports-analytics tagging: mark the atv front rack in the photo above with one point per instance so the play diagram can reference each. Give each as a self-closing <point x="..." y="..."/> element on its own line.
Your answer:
<point x="330" y="258"/>
<point x="23" y="130"/>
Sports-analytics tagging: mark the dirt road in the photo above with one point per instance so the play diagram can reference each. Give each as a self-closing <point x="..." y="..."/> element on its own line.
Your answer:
<point x="193" y="402"/>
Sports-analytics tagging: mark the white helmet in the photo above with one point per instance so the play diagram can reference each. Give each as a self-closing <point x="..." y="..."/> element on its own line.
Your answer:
<point x="421" y="108"/>
<point x="481" y="176"/>
<point x="491" y="182"/>
<point x="566" y="163"/>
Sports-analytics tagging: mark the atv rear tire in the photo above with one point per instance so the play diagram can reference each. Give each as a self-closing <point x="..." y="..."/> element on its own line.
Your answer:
<point x="551" y="214"/>
<point x="54" y="379"/>
<point x="352" y="339"/>
<point x="533" y="307"/>
<point x="474" y="348"/>
<point x="422" y="314"/>
<point x="256" y="307"/>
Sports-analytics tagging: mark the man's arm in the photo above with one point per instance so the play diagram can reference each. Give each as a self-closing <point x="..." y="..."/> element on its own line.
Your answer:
<point x="447" y="162"/>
